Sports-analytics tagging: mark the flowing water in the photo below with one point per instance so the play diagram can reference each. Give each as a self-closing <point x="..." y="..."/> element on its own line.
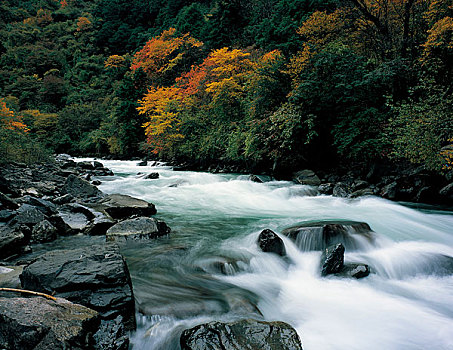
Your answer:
<point x="210" y="267"/>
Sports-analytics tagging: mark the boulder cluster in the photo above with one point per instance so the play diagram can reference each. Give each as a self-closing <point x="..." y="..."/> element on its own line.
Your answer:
<point x="90" y="302"/>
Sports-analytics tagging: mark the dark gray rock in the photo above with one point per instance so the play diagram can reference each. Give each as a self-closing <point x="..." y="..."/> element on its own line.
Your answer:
<point x="390" y="191"/>
<point x="111" y="335"/>
<point x="43" y="232"/>
<point x="40" y="324"/>
<point x="96" y="277"/>
<point x="97" y="165"/>
<point x="326" y="188"/>
<point x="306" y="177"/>
<point x="447" y="193"/>
<point x="6" y="215"/>
<point x="136" y="229"/>
<point x="255" y="178"/>
<point x="319" y="235"/>
<point x="332" y="260"/>
<point x="63" y="229"/>
<point x="151" y="176"/>
<point x="81" y="188"/>
<point x="362" y="192"/>
<point x="7" y="203"/>
<point x="46" y="207"/>
<point x="354" y="271"/>
<point x="241" y="335"/>
<point x="142" y="163"/>
<point x="96" y="182"/>
<point x="341" y="189"/>
<point x="85" y="165"/>
<point x="120" y="206"/>
<point x="270" y="242"/>
<point x="12" y="240"/>
<point x="77" y="222"/>
<point x="28" y="215"/>
<point x="67" y="198"/>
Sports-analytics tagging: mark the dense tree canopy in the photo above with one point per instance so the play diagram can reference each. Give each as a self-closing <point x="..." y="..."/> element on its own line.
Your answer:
<point x="253" y="83"/>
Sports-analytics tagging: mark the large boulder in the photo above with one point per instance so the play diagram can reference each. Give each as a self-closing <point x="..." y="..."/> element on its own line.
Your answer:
<point x="120" y="206"/>
<point x="12" y="240"/>
<point x="28" y="215"/>
<point x="80" y="188"/>
<point x="306" y="177"/>
<point x="81" y="218"/>
<point x="332" y="260"/>
<point x="241" y="335"/>
<point x="39" y="324"/>
<point x="96" y="276"/>
<point x="319" y="235"/>
<point x="136" y="229"/>
<point x="270" y="242"/>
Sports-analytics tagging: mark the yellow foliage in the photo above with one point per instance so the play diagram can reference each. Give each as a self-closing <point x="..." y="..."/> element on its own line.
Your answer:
<point x="115" y="61"/>
<point x="160" y="105"/>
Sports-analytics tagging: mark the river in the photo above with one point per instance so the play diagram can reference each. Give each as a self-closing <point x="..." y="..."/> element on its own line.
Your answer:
<point x="210" y="267"/>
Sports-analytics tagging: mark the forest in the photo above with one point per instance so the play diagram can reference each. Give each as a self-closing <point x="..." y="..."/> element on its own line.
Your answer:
<point x="255" y="84"/>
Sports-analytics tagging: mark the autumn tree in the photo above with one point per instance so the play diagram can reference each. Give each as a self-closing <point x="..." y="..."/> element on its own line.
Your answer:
<point x="162" y="57"/>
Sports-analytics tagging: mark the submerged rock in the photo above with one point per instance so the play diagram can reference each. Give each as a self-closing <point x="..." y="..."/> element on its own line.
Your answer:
<point x="354" y="271"/>
<point x="137" y="228"/>
<point x="241" y="335"/>
<point x="270" y="242"/>
<point x="321" y="234"/>
<point x="332" y="260"/>
<point x="151" y="176"/>
<point x="39" y="323"/>
<point x="96" y="277"/>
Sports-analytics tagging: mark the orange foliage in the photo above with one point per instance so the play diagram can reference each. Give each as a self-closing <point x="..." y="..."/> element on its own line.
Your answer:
<point x="162" y="53"/>
<point x="10" y="120"/>
<point x="83" y="24"/>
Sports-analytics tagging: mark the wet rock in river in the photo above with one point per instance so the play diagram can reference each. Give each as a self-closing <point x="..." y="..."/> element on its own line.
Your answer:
<point x="151" y="176"/>
<point x="136" y="229"/>
<point x="241" y="335"/>
<point x="39" y="323"/>
<point x="354" y="271"/>
<point x="7" y="202"/>
<point x="96" y="277"/>
<point x="332" y="260"/>
<point x="270" y="242"/>
<point x="319" y="235"/>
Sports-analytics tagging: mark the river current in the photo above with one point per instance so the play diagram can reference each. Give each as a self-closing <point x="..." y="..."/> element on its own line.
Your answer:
<point x="210" y="267"/>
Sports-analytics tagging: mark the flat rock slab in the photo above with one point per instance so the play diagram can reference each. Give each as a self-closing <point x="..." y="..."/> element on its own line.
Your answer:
<point x="136" y="229"/>
<point x="96" y="276"/>
<point x="241" y="335"/>
<point x="120" y="206"/>
<point x="40" y="324"/>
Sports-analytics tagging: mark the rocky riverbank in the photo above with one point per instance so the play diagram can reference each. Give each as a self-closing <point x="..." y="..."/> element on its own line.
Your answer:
<point x="88" y="300"/>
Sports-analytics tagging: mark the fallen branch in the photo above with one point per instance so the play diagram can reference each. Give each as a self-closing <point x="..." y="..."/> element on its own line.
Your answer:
<point x="28" y="292"/>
